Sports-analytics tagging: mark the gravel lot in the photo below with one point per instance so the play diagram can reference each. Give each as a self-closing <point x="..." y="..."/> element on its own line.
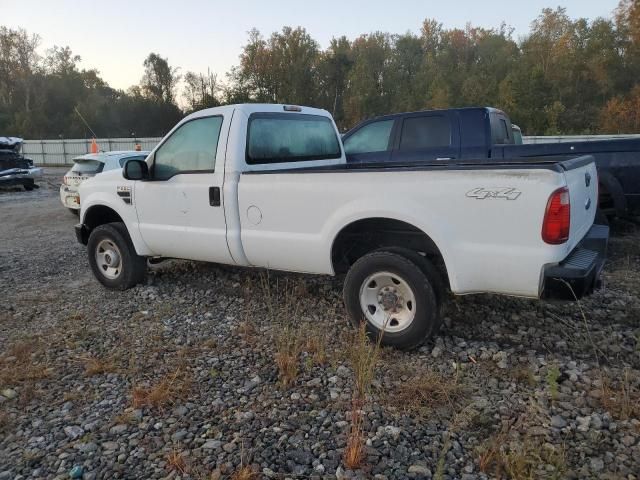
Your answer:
<point x="179" y="378"/>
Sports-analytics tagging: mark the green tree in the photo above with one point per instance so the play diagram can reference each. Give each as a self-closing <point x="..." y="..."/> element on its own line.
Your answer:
<point x="160" y="80"/>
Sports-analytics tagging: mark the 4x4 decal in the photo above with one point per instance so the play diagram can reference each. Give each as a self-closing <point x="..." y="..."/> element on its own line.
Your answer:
<point x="482" y="193"/>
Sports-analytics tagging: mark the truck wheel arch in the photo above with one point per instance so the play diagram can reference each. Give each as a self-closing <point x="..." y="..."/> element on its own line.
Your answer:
<point x="363" y="236"/>
<point x="608" y="184"/>
<point x="99" y="215"/>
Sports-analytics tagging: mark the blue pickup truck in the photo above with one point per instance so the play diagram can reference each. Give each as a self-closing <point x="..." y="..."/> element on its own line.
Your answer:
<point x="475" y="135"/>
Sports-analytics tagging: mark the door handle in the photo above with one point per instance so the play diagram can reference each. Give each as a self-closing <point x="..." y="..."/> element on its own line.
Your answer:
<point x="214" y="196"/>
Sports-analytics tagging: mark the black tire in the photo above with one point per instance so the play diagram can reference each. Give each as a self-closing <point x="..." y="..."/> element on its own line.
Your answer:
<point x="132" y="267"/>
<point x="429" y="270"/>
<point x="426" y="317"/>
<point x="75" y="211"/>
<point x="601" y="218"/>
<point x="29" y="186"/>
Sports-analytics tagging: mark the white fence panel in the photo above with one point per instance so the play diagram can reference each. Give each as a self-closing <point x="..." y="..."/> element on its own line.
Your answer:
<point x="62" y="152"/>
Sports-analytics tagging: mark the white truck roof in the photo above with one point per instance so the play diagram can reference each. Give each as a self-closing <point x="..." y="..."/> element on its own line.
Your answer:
<point x="249" y="108"/>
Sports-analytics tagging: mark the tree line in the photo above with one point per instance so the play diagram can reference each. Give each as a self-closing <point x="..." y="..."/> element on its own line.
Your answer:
<point x="564" y="76"/>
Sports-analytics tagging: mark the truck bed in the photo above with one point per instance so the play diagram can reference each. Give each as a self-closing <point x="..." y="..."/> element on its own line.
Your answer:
<point x="528" y="163"/>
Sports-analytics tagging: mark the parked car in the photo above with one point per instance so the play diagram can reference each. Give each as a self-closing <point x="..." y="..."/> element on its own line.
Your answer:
<point x="480" y="135"/>
<point x="15" y="169"/>
<point x="89" y="165"/>
<point x="268" y="186"/>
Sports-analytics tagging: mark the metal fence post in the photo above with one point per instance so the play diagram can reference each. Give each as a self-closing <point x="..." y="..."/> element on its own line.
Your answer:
<point x="64" y="152"/>
<point x="44" y="158"/>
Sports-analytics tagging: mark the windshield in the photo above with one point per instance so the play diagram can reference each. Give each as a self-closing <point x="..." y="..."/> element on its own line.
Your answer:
<point x="87" y="166"/>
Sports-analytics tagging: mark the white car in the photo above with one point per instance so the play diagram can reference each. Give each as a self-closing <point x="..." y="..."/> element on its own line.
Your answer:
<point x="89" y="165"/>
<point x="269" y="186"/>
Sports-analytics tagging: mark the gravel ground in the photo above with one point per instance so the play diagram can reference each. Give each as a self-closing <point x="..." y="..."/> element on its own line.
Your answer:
<point x="181" y="378"/>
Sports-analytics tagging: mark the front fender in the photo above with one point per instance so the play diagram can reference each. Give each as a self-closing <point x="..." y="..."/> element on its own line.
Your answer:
<point x="126" y="211"/>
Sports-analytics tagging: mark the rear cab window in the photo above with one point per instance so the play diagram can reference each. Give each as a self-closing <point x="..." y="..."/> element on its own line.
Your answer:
<point x="290" y="137"/>
<point x="84" y="167"/>
<point x="501" y="130"/>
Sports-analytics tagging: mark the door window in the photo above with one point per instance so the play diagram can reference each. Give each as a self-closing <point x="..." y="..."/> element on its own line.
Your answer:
<point x="190" y="149"/>
<point x="425" y="132"/>
<point x="373" y="137"/>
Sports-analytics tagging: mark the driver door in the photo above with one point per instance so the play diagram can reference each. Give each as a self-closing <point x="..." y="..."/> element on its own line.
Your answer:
<point x="180" y="208"/>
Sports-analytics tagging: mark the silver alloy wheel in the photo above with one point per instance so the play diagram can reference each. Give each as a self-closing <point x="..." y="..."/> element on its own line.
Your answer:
<point x="109" y="259"/>
<point x="387" y="301"/>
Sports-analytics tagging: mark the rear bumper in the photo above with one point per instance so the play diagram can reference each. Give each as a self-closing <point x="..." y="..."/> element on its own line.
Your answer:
<point x="70" y="197"/>
<point x="578" y="274"/>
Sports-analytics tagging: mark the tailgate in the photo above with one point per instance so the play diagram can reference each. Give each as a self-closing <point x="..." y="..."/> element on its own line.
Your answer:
<point x="582" y="180"/>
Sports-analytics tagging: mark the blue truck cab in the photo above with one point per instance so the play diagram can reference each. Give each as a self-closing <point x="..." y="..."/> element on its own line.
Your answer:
<point x="481" y="134"/>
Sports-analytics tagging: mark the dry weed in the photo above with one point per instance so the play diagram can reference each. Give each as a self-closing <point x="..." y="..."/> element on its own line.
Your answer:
<point x="428" y="391"/>
<point x="98" y="366"/>
<point x="165" y="392"/>
<point x="26" y="367"/>
<point x="363" y="355"/>
<point x="282" y="310"/>
<point x="621" y="398"/>
<point x="244" y="473"/>
<point x="175" y="461"/>
<point x="513" y="454"/>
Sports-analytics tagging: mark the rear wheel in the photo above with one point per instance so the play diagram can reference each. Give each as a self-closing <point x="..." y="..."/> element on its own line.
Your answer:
<point x="29" y="185"/>
<point x="394" y="297"/>
<point x="113" y="258"/>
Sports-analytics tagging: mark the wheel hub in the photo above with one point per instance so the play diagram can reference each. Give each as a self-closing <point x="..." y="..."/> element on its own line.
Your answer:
<point x="111" y="258"/>
<point x="108" y="259"/>
<point x="387" y="301"/>
<point x="390" y="299"/>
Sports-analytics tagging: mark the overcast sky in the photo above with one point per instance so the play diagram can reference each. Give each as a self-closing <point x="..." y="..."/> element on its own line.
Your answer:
<point x="115" y="36"/>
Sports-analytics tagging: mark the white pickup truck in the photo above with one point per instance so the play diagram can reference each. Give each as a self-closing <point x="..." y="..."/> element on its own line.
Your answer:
<point x="268" y="186"/>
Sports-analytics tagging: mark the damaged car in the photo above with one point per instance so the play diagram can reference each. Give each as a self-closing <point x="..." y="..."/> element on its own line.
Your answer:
<point x="15" y="169"/>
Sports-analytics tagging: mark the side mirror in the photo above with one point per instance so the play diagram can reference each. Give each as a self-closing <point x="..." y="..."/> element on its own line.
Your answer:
<point x="136" y="170"/>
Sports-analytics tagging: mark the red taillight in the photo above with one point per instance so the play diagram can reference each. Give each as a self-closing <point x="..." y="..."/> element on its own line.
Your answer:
<point x="557" y="217"/>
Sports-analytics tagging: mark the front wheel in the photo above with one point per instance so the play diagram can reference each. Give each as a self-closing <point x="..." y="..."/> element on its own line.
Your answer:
<point x="113" y="258"/>
<point x="394" y="297"/>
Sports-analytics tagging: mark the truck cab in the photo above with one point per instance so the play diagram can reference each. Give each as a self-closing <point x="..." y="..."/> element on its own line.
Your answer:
<point x="434" y="135"/>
